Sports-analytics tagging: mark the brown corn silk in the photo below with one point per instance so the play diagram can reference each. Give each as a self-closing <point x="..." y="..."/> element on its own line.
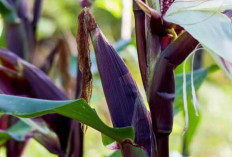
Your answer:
<point x="123" y="98"/>
<point x="84" y="60"/>
<point x="63" y="64"/>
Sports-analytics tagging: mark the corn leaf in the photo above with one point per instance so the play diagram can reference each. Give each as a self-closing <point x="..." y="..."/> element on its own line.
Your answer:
<point x="8" y="12"/>
<point x="199" y="77"/>
<point x="205" y="22"/>
<point x="75" y="109"/>
<point x="225" y="65"/>
<point x="116" y="154"/>
<point x="128" y="150"/>
<point x="19" y="132"/>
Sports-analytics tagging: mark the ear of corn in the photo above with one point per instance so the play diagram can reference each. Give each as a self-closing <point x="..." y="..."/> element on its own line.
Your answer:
<point x="38" y="85"/>
<point x="122" y="95"/>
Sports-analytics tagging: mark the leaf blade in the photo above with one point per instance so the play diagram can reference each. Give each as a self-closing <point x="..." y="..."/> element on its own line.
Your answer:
<point x="75" y="109"/>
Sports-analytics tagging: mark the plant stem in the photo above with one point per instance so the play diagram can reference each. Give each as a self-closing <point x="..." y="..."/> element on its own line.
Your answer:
<point x="162" y="91"/>
<point x="163" y="145"/>
<point x="141" y="41"/>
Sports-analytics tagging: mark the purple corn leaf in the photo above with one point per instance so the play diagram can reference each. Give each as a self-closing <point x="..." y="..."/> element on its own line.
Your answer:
<point x="23" y="13"/>
<point x="20" y="37"/>
<point x="11" y="83"/>
<point x="41" y="87"/>
<point x="228" y="13"/>
<point x="47" y="64"/>
<point x="122" y="95"/>
<point x="14" y="148"/>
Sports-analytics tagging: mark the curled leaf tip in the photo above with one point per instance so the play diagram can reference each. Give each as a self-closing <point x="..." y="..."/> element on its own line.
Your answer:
<point x="147" y="10"/>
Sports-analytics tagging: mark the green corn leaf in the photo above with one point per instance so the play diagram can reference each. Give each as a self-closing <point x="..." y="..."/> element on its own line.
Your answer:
<point x="199" y="77"/>
<point x="74" y="109"/>
<point x="107" y="140"/>
<point x="8" y="12"/>
<point x="26" y="128"/>
<point x="18" y="132"/>
<point x="205" y="22"/>
<point x="116" y="154"/>
<point x="128" y="150"/>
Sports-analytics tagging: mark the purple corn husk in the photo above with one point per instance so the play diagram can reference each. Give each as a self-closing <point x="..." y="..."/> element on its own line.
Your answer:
<point x="16" y="39"/>
<point x="20" y="37"/>
<point x="85" y="3"/>
<point x="21" y="7"/>
<point x="40" y="86"/>
<point x="122" y="95"/>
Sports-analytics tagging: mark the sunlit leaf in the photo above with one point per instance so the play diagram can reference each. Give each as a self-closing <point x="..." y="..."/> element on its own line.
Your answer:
<point x="75" y="109"/>
<point x="114" y="7"/>
<point x="205" y="23"/>
<point x="116" y="154"/>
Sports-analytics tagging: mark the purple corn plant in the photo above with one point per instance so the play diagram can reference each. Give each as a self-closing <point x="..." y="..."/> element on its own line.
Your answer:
<point x="162" y="45"/>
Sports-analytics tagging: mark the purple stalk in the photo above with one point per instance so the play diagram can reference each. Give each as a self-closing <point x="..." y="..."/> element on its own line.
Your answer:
<point x="20" y="37"/>
<point x="162" y="91"/>
<point x="77" y="134"/>
<point x="141" y="41"/>
<point x="21" y="7"/>
<point x="36" y="14"/>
